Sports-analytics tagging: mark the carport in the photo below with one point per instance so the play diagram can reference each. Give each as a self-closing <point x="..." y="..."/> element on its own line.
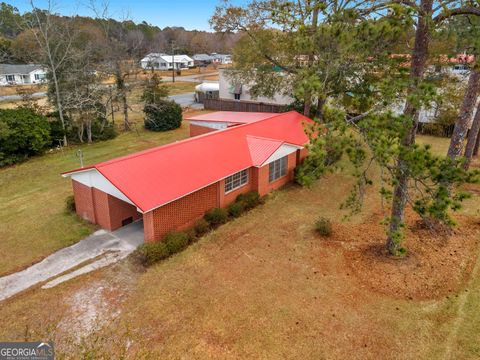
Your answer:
<point x="100" y="202"/>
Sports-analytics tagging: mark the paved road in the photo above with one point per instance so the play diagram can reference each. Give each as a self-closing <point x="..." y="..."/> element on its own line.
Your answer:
<point x="18" y="97"/>
<point x="192" y="78"/>
<point x="186" y="100"/>
<point x="189" y="78"/>
<point x="100" y="249"/>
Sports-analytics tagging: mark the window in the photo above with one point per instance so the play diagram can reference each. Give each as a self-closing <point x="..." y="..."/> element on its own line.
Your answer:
<point x="278" y="168"/>
<point x="236" y="180"/>
<point x="40" y="76"/>
<point x="10" y="77"/>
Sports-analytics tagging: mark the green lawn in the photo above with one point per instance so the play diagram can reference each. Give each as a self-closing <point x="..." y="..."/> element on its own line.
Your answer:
<point x="263" y="286"/>
<point x="32" y="197"/>
<point x="180" y="87"/>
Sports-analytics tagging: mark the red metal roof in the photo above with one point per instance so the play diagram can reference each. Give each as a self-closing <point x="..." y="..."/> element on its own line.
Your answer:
<point x="154" y="177"/>
<point x="261" y="148"/>
<point x="232" y="117"/>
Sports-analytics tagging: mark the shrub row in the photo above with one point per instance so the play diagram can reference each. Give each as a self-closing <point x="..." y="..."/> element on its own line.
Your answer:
<point x="150" y="253"/>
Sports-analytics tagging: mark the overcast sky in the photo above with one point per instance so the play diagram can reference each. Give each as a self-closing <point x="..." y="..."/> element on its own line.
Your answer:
<point x="191" y="14"/>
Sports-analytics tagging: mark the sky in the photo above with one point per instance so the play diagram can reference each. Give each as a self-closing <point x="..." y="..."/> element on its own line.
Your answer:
<point x="191" y="14"/>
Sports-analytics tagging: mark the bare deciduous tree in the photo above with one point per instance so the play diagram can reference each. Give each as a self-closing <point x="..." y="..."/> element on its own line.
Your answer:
<point x="54" y="36"/>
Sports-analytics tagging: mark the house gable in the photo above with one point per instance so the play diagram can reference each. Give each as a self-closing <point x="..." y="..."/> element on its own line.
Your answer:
<point x="93" y="179"/>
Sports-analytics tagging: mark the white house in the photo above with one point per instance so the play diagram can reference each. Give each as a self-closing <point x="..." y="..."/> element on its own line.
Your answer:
<point x="223" y="59"/>
<point x="231" y="91"/>
<point x="12" y="74"/>
<point x="158" y="61"/>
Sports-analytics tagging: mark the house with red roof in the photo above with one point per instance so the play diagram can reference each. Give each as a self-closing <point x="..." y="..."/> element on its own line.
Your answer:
<point x="172" y="186"/>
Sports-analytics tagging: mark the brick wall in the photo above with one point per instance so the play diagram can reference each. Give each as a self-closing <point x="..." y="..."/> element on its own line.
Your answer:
<point x="83" y="201"/>
<point x="227" y="199"/>
<point x="301" y="155"/>
<point x="120" y="210"/>
<point x="100" y="204"/>
<point x="261" y="176"/>
<point x="196" y="130"/>
<point x="179" y="214"/>
<point x="101" y="208"/>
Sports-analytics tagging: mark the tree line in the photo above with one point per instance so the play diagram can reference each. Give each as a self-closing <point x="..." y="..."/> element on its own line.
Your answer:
<point x="17" y="45"/>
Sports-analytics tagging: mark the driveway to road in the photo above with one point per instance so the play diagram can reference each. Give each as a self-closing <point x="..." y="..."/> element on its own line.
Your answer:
<point x="96" y="251"/>
<point x="186" y="100"/>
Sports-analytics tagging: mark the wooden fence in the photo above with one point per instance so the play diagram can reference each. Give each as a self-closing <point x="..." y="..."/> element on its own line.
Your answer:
<point x="245" y="106"/>
<point x="435" y="129"/>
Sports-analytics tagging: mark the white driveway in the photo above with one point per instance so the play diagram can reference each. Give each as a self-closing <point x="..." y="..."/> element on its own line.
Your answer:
<point x="98" y="250"/>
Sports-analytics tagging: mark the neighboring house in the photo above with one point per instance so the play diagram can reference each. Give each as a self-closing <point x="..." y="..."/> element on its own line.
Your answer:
<point x="221" y="59"/>
<point x="202" y="59"/>
<point x="166" y="62"/>
<point x="172" y="186"/>
<point x="12" y="74"/>
<point x="459" y="65"/>
<point x="214" y="58"/>
<point x="237" y="91"/>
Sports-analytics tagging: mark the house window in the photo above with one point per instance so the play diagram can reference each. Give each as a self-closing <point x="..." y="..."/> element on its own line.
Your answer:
<point x="10" y="77"/>
<point x="278" y="168"/>
<point x="236" y="180"/>
<point x="40" y="76"/>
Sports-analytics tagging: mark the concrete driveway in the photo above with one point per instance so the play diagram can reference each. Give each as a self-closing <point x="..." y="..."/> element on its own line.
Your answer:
<point x="96" y="251"/>
<point x="186" y="100"/>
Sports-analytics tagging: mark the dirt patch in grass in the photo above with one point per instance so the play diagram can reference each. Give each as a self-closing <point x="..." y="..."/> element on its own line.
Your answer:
<point x="435" y="266"/>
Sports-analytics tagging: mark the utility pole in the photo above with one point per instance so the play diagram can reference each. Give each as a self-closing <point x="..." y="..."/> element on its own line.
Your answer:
<point x="173" y="61"/>
<point x="80" y="155"/>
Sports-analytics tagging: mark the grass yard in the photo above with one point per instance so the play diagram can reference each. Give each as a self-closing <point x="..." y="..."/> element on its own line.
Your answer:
<point x="13" y="90"/>
<point x="180" y="87"/>
<point x="263" y="286"/>
<point x="32" y="197"/>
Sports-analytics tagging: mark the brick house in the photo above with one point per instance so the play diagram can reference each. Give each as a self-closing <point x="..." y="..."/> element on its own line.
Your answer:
<point x="172" y="186"/>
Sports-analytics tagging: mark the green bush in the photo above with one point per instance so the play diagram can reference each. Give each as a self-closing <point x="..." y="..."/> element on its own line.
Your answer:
<point x="163" y="115"/>
<point x="236" y="209"/>
<point x="23" y="133"/>
<point x="149" y="253"/>
<point x="323" y="227"/>
<point x="102" y="129"/>
<point x="201" y="227"/>
<point x="191" y="235"/>
<point x="216" y="216"/>
<point x="70" y="204"/>
<point x="102" y="132"/>
<point x="249" y="200"/>
<point x="176" y="241"/>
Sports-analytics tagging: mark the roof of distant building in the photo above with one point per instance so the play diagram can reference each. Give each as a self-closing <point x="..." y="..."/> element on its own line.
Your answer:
<point x="23" y="69"/>
<point x="157" y="176"/>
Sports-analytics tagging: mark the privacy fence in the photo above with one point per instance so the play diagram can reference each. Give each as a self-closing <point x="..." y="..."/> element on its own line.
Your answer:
<point x="252" y="106"/>
<point x="245" y="106"/>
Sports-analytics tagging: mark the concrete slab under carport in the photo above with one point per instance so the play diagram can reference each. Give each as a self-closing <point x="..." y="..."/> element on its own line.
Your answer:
<point x="97" y="250"/>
